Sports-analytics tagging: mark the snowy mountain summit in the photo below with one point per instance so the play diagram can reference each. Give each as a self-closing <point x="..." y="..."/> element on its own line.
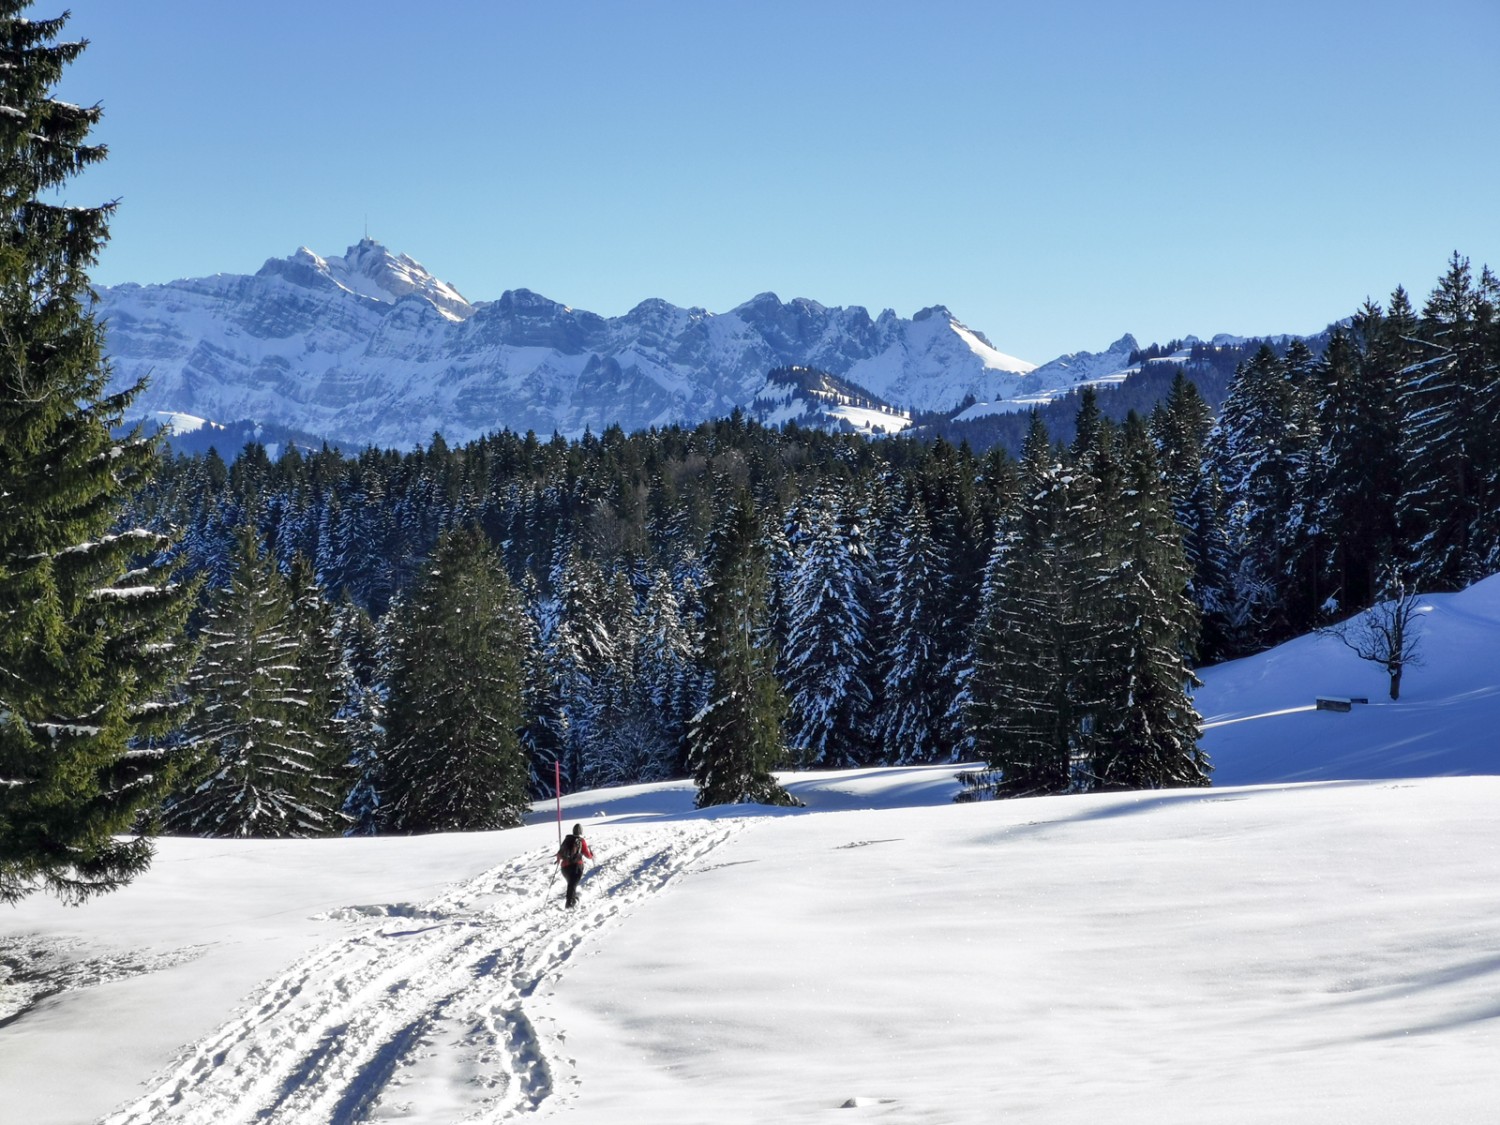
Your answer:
<point x="371" y="348"/>
<point x="367" y="269"/>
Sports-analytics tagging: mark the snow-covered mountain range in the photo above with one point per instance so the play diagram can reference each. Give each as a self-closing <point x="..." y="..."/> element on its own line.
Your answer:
<point x="370" y="348"/>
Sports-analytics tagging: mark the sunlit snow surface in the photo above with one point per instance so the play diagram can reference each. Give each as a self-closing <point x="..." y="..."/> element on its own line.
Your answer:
<point x="178" y="423"/>
<point x="871" y="421"/>
<point x="1261" y="725"/>
<point x="1281" y="953"/>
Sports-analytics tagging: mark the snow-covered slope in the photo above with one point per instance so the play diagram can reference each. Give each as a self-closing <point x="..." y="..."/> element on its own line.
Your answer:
<point x="1052" y="380"/>
<point x="1249" y="954"/>
<point x="1290" y="953"/>
<point x="813" y="398"/>
<point x="371" y="348"/>
<point x="1262" y="724"/>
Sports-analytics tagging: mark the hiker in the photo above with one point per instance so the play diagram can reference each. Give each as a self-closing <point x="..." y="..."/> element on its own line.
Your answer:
<point x="574" y="850"/>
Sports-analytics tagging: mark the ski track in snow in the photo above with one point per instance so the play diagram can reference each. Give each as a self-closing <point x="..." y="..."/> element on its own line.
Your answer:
<point x="419" y="1014"/>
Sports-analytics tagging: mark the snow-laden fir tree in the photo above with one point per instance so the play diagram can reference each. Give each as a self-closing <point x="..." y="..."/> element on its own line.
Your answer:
<point x="1303" y="543"/>
<point x="1180" y="426"/>
<point x="361" y="713"/>
<point x="1359" y="441"/>
<point x="587" y="642"/>
<point x="665" y="677"/>
<point x="1257" y="453"/>
<point x="350" y="563"/>
<point x="1448" y="402"/>
<point x="264" y="690"/>
<point x="965" y="535"/>
<point x="828" y="658"/>
<point x="90" y="639"/>
<point x="544" y="701"/>
<point x="208" y="538"/>
<point x="331" y="713"/>
<point x="453" y="759"/>
<point x="1081" y="658"/>
<point x="916" y="694"/>
<point x="1024" y="708"/>
<point x="623" y="737"/>
<point x="1087" y="542"/>
<point x="1144" y="729"/>
<point x="785" y="544"/>
<point x="320" y="655"/>
<point x="734" y="741"/>
<point x="1487" y="333"/>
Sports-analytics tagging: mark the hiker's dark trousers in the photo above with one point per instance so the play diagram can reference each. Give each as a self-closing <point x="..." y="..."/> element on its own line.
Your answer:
<point x="572" y="872"/>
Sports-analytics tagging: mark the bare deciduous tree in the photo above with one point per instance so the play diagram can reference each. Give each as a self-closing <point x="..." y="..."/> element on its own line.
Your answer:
<point x="1387" y="632"/>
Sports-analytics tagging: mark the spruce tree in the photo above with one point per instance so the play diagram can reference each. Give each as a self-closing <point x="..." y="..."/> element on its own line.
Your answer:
<point x="734" y="741"/>
<point x="1301" y="540"/>
<point x="1023" y="707"/>
<point x="626" y="741"/>
<point x="90" y="630"/>
<point x="916" y="694"/>
<point x="585" y="654"/>
<point x="964" y="531"/>
<point x="1144" y="728"/>
<point x="1180" y="426"/>
<point x="664" y="670"/>
<point x="1444" y="434"/>
<point x="544" y="702"/>
<point x="264" y="694"/>
<point x="1358" y="432"/>
<point x="453" y="759"/>
<point x="1256" y="455"/>
<point x="329" y="715"/>
<point x="828" y="659"/>
<point x="361" y="714"/>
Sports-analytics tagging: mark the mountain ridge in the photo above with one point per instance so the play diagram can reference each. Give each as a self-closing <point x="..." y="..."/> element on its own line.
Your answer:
<point x="369" y="347"/>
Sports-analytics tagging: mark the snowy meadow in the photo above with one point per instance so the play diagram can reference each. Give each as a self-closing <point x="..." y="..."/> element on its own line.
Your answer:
<point x="1313" y="939"/>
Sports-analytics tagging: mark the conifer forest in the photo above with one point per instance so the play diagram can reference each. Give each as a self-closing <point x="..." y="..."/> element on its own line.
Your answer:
<point x="417" y="641"/>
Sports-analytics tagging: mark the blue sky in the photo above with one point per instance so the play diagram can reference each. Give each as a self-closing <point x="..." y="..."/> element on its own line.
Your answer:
<point x="1055" y="173"/>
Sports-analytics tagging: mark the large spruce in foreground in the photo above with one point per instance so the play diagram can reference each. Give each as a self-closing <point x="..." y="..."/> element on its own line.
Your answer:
<point x="90" y="640"/>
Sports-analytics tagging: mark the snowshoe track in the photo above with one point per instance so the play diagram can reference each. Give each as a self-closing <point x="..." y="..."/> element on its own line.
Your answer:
<point x="420" y="1012"/>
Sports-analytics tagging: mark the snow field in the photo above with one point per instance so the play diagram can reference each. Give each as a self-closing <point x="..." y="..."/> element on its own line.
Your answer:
<point x="1260" y="725"/>
<point x="1293" y="953"/>
<point x="419" y="1012"/>
<point x="1308" y="953"/>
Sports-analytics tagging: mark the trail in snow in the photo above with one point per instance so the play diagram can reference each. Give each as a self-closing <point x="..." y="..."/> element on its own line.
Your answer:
<point x="419" y="1013"/>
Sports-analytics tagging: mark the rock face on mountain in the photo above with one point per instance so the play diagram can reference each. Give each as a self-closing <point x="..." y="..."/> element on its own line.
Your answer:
<point x="370" y="348"/>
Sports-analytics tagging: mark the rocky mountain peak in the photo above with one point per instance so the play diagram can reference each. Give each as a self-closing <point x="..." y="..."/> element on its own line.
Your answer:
<point x="368" y="269"/>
